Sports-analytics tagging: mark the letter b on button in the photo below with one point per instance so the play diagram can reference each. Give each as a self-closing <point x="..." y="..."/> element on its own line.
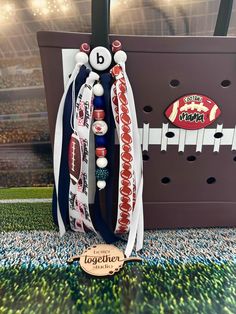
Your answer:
<point x="100" y="58"/>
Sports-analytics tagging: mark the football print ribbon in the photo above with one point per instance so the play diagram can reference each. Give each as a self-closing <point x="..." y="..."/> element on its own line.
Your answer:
<point x="57" y="149"/>
<point x="123" y="122"/>
<point x="130" y="205"/>
<point x="78" y="199"/>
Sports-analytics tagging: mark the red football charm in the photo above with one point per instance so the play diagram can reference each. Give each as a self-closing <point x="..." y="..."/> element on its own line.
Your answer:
<point x="74" y="158"/>
<point x="193" y="112"/>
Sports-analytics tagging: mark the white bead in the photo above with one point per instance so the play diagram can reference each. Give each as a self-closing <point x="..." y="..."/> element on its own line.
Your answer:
<point x="100" y="58"/>
<point x="98" y="89"/>
<point x="120" y="56"/>
<point x="99" y="128"/>
<point x="93" y="76"/>
<point x="101" y="162"/>
<point x="81" y="57"/>
<point x="101" y="184"/>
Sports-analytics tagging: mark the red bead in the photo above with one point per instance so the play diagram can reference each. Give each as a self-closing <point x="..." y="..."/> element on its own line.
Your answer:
<point x="99" y="114"/>
<point x="85" y="48"/>
<point x="116" y="46"/>
<point x="101" y="151"/>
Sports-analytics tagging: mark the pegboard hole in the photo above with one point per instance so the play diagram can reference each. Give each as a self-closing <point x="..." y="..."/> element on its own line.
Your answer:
<point x="225" y="83"/>
<point x="147" y="109"/>
<point x="174" y="83"/>
<point x="165" y="180"/>
<point x="146" y="157"/>
<point x="170" y="134"/>
<point x="218" y="135"/>
<point x="191" y="158"/>
<point x="211" y="180"/>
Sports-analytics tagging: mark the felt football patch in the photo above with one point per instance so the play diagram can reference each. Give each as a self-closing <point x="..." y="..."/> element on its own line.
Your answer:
<point x="193" y="112"/>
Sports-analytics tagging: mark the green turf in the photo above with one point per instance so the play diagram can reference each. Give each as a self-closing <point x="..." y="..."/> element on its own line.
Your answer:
<point x="25" y="217"/>
<point x="28" y="192"/>
<point x="179" y="288"/>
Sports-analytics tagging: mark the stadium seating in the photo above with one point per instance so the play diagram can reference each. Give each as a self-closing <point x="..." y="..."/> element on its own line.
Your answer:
<point x="40" y="177"/>
<point x="23" y="106"/>
<point x="21" y="80"/>
<point x="26" y="63"/>
<point x="24" y="131"/>
<point x="25" y="165"/>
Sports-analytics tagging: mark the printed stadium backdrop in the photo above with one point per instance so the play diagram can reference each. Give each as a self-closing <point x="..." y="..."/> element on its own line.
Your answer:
<point x="25" y="151"/>
<point x="184" y="271"/>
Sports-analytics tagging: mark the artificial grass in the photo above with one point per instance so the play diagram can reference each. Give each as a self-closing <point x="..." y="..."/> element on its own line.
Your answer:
<point x="27" y="192"/>
<point x="26" y="217"/>
<point x="138" y="288"/>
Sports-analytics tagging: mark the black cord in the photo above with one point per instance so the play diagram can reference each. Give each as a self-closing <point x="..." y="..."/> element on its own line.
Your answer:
<point x="100" y="23"/>
<point x="223" y="18"/>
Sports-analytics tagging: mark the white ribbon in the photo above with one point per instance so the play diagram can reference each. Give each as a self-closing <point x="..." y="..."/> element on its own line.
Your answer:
<point x="137" y="221"/>
<point x="73" y="213"/>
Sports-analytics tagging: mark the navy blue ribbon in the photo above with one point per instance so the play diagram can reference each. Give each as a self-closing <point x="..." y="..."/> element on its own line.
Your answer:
<point x="64" y="177"/>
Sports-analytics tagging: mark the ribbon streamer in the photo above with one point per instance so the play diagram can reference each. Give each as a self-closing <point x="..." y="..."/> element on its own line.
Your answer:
<point x="130" y="213"/>
<point x="57" y="151"/>
<point x="64" y="178"/>
<point x="130" y="204"/>
<point x="80" y="214"/>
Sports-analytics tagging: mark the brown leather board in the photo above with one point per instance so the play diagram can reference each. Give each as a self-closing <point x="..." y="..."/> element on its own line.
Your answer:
<point x="200" y="64"/>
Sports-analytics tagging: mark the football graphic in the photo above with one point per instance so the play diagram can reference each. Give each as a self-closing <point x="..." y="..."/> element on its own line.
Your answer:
<point x="74" y="158"/>
<point x="193" y="112"/>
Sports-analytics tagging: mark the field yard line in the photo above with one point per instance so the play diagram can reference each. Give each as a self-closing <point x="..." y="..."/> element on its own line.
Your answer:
<point x="26" y="200"/>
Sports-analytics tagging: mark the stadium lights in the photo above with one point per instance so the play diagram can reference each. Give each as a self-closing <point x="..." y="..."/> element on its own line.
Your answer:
<point x="8" y="10"/>
<point x="116" y="3"/>
<point x="50" y="7"/>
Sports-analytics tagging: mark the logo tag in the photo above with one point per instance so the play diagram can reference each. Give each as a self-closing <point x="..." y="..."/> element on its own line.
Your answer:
<point x="193" y="112"/>
<point x="102" y="260"/>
